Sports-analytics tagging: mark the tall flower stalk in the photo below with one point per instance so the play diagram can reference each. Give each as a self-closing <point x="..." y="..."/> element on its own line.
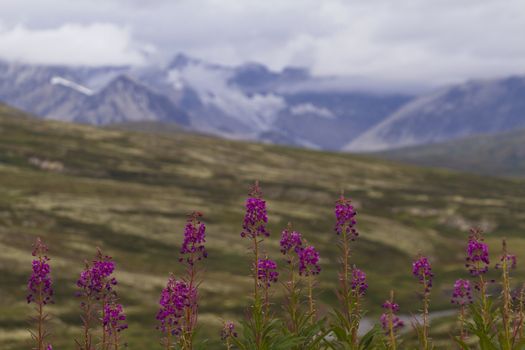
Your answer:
<point x="359" y="287"/>
<point x="477" y="263"/>
<point x="267" y="275"/>
<point x="40" y="292"/>
<point x="114" y="323"/>
<point x="345" y="214"/>
<point x="309" y="268"/>
<point x="192" y="251"/>
<point x="96" y="290"/>
<point x="254" y="228"/>
<point x="174" y="299"/>
<point x="390" y="322"/>
<point x="228" y="332"/>
<point x="506" y="263"/>
<point x="291" y="244"/>
<point x="462" y="296"/>
<point x="422" y="270"/>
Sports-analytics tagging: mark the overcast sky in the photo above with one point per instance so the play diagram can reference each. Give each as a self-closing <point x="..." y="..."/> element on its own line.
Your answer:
<point x="405" y="41"/>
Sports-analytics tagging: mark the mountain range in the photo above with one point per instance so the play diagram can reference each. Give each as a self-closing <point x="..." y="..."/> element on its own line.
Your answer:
<point x="252" y="102"/>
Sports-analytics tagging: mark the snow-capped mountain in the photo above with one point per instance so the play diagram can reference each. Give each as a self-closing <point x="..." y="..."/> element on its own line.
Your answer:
<point x="472" y="108"/>
<point x="253" y="102"/>
<point x="244" y="102"/>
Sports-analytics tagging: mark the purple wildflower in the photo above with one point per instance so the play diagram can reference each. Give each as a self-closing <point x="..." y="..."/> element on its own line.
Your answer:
<point x="308" y="261"/>
<point x="359" y="284"/>
<point x="422" y="269"/>
<point x="114" y="318"/>
<point x="290" y="241"/>
<point x="49" y="347"/>
<point x="256" y="217"/>
<point x="267" y="271"/>
<point x="462" y="293"/>
<point x="173" y="300"/>
<point x="228" y="331"/>
<point x="511" y="261"/>
<point x="345" y="218"/>
<point x="390" y="316"/>
<point x="96" y="281"/>
<point x="194" y="238"/>
<point x="39" y="284"/>
<point x="477" y="261"/>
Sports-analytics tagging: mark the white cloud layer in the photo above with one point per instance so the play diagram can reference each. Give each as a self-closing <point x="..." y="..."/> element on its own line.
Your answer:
<point x="93" y="44"/>
<point x="400" y="42"/>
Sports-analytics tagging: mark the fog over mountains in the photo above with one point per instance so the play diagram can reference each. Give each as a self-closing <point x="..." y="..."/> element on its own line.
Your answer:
<point x="252" y="102"/>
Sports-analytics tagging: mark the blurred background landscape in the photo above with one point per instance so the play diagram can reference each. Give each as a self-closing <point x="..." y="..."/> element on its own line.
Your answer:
<point x="117" y="119"/>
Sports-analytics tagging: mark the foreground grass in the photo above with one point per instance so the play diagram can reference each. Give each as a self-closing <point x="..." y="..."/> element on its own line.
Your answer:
<point x="129" y="193"/>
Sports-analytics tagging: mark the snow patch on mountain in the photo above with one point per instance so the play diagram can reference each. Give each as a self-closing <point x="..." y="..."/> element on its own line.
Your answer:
<point x="309" y="108"/>
<point x="258" y="110"/>
<point x="56" y="80"/>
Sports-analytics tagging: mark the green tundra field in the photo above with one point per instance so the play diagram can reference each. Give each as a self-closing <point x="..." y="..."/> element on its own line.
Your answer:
<point x="81" y="187"/>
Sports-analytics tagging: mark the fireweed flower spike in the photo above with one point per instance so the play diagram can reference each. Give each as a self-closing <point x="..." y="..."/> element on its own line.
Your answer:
<point x="461" y="296"/>
<point x="507" y="262"/>
<point x="291" y="241"/>
<point x="359" y="287"/>
<point x="345" y="216"/>
<point x="227" y="333"/>
<point x="477" y="262"/>
<point x="309" y="267"/>
<point x="254" y="227"/>
<point x="290" y="244"/>
<point x="40" y="291"/>
<point x="267" y="274"/>
<point x="192" y="250"/>
<point x="422" y="270"/>
<point x="390" y="322"/>
<point x="96" y="290"/>
<point x="173" y="301"/>
<point x="114" y="322"/>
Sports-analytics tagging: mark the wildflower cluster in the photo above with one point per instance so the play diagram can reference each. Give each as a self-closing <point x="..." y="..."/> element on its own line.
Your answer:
<point x="96" y="281"/>
<point x="422" y="270"/>
<point x="484" y="320"/>
<point x="389" y="320"/>
<point x="290" y="241"/>
<point x="477" y="261"/>
<point x="359" y="285"/>
<point x="39" y="285"/>
<point x="228" y="331"/>
<point x="194" y="238"/>
<point x="256" y="217"/>
<point x="173" y="300"/>
<point x="462" y="293"/>
<point x="267" y="271"/>
<point x="345" y="218"/>
<point x="114" y="318"/>
<point x="309" y="261"/>
<point x="40" y="292"/>
<point x="509" y="259"/>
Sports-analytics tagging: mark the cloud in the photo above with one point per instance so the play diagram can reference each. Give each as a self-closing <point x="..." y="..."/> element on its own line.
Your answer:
<point x="93" y="44"/>
<point x="402" y="42"/>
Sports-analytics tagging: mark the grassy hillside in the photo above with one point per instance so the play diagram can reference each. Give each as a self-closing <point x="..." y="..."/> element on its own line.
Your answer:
<point x="81" y="187"/>
<point x="501" y="154"/>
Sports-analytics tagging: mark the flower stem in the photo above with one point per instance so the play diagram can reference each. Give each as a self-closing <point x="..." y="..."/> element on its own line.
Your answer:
<point x="311" y="302"/>
<point x="40" y="302"/>
<point x="391" y="333"/>
<point x="425" y="313"/>
<point x="344" y="277"/>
